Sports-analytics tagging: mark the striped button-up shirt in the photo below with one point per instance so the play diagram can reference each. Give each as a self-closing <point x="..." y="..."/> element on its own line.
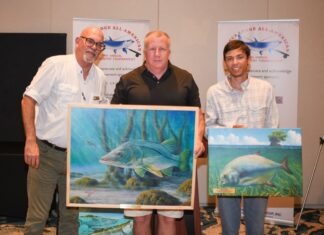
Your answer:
<point x="253" y="107"/>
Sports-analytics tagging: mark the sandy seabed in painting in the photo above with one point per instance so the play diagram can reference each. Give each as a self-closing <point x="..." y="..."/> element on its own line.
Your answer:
<point x="101" y="195"/>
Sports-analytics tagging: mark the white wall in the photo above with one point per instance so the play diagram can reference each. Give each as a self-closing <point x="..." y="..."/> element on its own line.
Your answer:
<point x="192" y="25"/>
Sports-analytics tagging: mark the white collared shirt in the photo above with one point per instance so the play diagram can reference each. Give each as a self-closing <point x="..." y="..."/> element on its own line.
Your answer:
<point x="57" y="83"/>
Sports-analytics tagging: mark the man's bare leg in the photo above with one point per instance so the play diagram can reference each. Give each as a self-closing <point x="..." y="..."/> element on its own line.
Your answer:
<point x="166" y="225"/>
<point x="142" y="225"/>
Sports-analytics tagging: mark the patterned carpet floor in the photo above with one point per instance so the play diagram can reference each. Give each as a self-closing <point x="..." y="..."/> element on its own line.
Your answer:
<point x="311" y="223"/>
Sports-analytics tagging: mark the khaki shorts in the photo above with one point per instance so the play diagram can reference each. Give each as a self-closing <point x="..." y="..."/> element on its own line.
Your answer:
<point x="167" y="213"/>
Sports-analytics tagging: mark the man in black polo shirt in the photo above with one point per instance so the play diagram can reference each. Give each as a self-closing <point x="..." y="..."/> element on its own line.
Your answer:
<point x="158" y="82"/>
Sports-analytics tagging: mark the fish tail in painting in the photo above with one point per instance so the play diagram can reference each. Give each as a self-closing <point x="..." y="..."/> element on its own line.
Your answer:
<point x="183" y="158"/>
<point x="284" y="165"/>
<point x="171" y="145"/>
<point x="177" y="137"/>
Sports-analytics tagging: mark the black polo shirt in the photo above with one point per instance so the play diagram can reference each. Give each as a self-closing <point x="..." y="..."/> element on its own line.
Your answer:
<point x="176" y="87"/>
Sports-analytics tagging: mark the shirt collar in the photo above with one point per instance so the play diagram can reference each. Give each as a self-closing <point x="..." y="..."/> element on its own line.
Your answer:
<point x="146" y="73"/>
<point x="80" y="71"/>
<point x="244" y="84"/>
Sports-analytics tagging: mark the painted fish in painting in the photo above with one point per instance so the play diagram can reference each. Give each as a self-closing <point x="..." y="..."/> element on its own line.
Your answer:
<point x="144" y="156"/>
<point x="251" y="170"/>
<point x="96" y="225"/>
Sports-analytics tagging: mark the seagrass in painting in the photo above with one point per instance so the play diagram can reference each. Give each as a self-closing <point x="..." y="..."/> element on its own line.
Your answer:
<point x="127" y="156"/>
<point x="255" y="162"/>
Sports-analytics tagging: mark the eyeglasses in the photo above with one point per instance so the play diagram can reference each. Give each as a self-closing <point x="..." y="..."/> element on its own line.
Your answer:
<point x="100" y="46"/>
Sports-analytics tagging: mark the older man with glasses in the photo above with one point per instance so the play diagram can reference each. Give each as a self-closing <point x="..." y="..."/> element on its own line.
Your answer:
<point x="59" y="81"/>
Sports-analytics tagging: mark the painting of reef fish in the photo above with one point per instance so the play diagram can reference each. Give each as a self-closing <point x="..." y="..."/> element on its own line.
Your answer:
<point x="131" y="156"/>
<point x="255" y="162"/>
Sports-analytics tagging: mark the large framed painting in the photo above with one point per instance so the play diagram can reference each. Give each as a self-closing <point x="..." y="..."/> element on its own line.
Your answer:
<point x="255" y="162"/>
<point x="131" y="156"/>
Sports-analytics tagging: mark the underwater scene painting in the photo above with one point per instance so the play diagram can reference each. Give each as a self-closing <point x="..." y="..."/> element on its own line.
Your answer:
<point x="100" y="222"/>
<point x="255" y="162"/>
<point x="131" y="156"/>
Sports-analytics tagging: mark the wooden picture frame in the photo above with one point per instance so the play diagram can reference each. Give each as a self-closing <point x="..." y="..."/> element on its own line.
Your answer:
<point x="255" y="162"/>
<point x="131" y="156"/>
